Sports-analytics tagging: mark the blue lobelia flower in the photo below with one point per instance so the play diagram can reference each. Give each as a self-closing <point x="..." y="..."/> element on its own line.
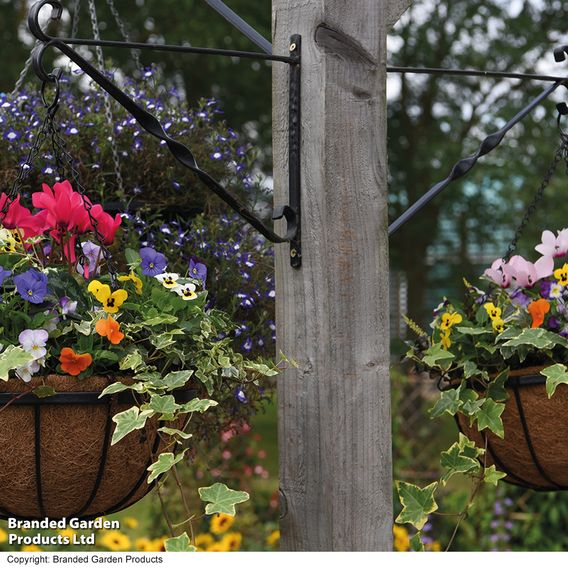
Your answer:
<point x="32" y="286"/>
<point x="153" y="263"/>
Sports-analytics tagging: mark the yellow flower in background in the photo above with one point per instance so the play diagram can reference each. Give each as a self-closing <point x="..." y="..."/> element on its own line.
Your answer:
<point x="114" y="540"/>
<point x="131" y="522"/>
<point x="69" y="533"/>
<point x="273" y="538"/>
<point x="221" y="523"/>
<point x="449" y="320"/>
<point x="111" y="301"/>
<point x="217" y="547"/>
<point x="3" y="535"/>
<point x="31" y="548"/>
<point x="232" y="541"/>
<point x="158" y="544"/>
<point x="493" y="311"/>
<point x="144" y="545"/>
<point x="135" y="280"/>
<point x="434" y="546"/>
<point x="203" y="541"/>
<point x="401" y="539"/>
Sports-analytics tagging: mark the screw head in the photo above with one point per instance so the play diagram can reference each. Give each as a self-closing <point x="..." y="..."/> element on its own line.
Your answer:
<point x="293" y="253"/>
<point x="293" y="46"/>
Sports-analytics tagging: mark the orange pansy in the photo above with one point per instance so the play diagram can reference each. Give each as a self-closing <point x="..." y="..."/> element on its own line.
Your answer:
<point x="110" y="329"/>
<point x="538" y="310"/>
<point x="74" y="363"/>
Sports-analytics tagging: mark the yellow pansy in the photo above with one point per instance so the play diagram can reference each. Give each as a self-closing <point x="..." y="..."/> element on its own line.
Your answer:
<point x="203" y="541"/>
<point x="114" y="540"/>
<point x="498" y="325"/>
<point x="561" y="274"/>
<point x="273" y="538"/>
<point x="445" y="339"/>
<point x="232" y="541"/>
<point x="135" y="280"/>
<point x="450" y="319"/>
<point x="221" y="523"/>
<point x="111" y="301"/>
<point x="493" y="311"/>
<point x="401" y="539"/>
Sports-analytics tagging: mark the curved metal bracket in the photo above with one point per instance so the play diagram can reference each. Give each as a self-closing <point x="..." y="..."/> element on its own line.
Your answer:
<point x="181" y="152"/>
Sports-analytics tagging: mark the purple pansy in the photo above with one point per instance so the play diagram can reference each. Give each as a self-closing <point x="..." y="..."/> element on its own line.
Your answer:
<point x="32" y="286"/>
<point x="519" y="298"/>
<point x="240" y="395"/>
<point x="198" y="271"/>
<point x="153" y="263"/>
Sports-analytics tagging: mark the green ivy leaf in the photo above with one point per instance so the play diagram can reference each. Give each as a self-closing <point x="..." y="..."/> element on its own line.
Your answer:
<point x="221" y="499"/>
<point x="11" y="358"/>
<point x="113" y="389"/>
<point x="131" y="361"/>
<point x="468" y="447"/>
<point x="177" y="379"/>
<point x="455" y="462"/>
<point x="163" y="404"/>
<point x="160" y="320"/>
<point x="474" y="330"/>
<point x="416" y="503"/>
<point x="179" y="543"/>
<point x="491" y="475"/>
<point x="449" y="402"/>
<point x="496" y="389"/>
<point x="536" y="337"/>
<point x="44" y="391"/>
<point x="489" y="416"/>
<point x="470" y="369"/>
<point x="436" y="355"/>
<point x="416" y="543"/>
<point x="261" y="368"/>
<point x="175" y="432"/>
<point x="164" y="463"/>
<point x="555" y="375"/>
<point x="128" y="421"/>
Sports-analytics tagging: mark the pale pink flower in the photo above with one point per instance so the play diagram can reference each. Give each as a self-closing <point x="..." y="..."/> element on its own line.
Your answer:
<point x="554" y="246"/>
<point x="527" y="274"/>
<point x="499" y="273"/>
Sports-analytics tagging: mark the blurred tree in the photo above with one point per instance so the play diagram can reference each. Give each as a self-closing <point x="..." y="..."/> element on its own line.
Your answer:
<point x="435" y="120"/>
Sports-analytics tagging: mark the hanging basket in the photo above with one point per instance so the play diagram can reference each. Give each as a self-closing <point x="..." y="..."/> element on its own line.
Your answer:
<point x="534" y="451"/>
<point x="57" y="460"/>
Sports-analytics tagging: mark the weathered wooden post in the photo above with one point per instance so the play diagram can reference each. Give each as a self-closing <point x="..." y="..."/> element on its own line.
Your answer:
<point x="333" y="313"/>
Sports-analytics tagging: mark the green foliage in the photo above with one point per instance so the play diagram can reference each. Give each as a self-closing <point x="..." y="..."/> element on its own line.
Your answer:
<point x="165" y="462"/>
<point x="221" y="499"/>
<point x="179" y="543"/>
<point x="555" y="375"/>
<point x="11" y="358"/>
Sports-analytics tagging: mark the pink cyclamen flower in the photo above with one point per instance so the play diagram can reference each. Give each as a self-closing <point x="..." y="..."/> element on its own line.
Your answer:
<point x="526" y="274"/>
<point x="554" y="246"/>
<point x="499" y="273"/>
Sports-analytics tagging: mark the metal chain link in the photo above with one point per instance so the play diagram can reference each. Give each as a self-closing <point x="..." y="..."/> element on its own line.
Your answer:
<point x="23" y="74"/>
<point x="560" y="154"/>
<point x="124" y="32"/>
<point x="76" y="17"/>
<point x="106" y="99"/>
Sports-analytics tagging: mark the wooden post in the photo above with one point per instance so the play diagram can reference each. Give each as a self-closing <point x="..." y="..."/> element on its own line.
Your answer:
<point x="333" y="313"/>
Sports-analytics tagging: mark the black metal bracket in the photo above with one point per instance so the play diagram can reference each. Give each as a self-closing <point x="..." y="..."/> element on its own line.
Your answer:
<point x="290" y="212"/>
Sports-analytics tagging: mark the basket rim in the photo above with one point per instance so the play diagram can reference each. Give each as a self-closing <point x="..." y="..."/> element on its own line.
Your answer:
<point x="523" y="377"/>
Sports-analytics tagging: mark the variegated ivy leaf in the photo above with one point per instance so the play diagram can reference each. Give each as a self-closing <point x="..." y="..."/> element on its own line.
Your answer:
<point x="176" y="379"/>
<point x="160" y="320"/>
<point x="555" y="375"/>
<point x="435" y="356"/>
<point x="538" y="338"/>
<point x="128" y="421"/>
<point x="491" y="475"/>
<point x="470" y="369"/>
<point x="468" y="447"/>
<point x="179" y="543"/>
<point x="198" y="405"/>
<point x="496" y="389"/>
<point x="416" y="503"/>
<point x="164" y="405"/>
<point x="132" y="361"/>
<point x="416" y="543"/>
<point x="113" y="389"/>
<point x="261" y="368"/>
<point x="449" y="402"/>
<point x="11" y="358"/>
<point x="175" y="432"/>
<point x="470" y="330"/>
<point x="489" y="416"/>
<point x="221" y="499"/>
<point x="454" y="461"/>
<point x="164" y="463"/>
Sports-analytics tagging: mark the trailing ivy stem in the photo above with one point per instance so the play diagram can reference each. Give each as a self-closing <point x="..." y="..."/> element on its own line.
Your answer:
<point x="184" y="501"/>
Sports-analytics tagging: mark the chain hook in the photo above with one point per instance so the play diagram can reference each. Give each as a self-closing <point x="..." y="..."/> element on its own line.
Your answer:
<point x="52" y="105"/>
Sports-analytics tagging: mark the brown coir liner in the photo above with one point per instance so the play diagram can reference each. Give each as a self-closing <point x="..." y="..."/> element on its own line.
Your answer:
<point x="72" y="438"/>
<point x="547" y="423"/>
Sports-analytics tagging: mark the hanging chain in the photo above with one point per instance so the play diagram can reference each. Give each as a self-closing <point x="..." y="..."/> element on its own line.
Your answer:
<point x="106" y="99"/>
<point x="124" y="32"/>
<point x="76" y="17"/>
<point x="560" y="154"/>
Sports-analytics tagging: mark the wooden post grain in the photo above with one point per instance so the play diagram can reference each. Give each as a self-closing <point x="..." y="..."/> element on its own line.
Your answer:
<point x="333" y="313"/>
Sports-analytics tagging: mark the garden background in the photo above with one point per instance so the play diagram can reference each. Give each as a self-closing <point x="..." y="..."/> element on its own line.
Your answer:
<point x="222" y="109"/>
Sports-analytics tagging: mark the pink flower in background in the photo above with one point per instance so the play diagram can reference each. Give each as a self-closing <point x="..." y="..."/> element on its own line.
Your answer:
<point x="554" y="246"/>
<point x="526" y="274"/>
<point x="499" y="273"/>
